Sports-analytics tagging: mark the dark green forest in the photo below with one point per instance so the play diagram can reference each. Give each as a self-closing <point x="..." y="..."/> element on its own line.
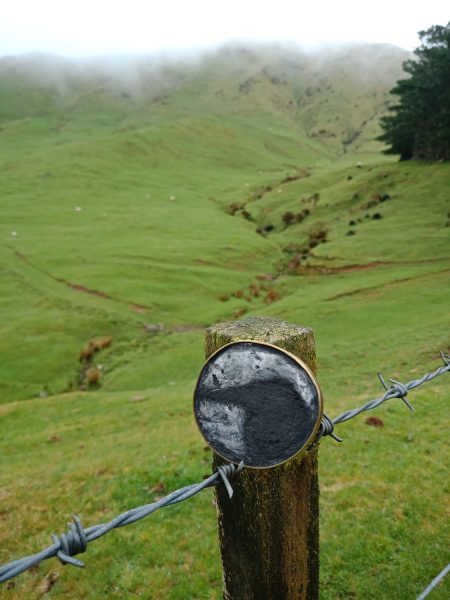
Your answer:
<point x="419" y="126"/>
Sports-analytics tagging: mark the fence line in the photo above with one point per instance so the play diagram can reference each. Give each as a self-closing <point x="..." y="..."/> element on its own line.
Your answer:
<point x="396" y="390"/>
<point x="75" y="541"/>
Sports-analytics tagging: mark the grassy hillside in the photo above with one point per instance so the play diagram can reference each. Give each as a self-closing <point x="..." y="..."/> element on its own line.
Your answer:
<point x="145" y="207"/>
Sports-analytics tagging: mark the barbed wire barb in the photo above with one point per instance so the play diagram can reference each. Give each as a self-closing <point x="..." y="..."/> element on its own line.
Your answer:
<point x="403" y="392"/>
<point x="396" y="390"/>
<point x="76" y="540"/>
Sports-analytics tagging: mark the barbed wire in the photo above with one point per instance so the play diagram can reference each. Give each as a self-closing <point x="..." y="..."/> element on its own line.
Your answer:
<point x="396" y="390"/>
<point x="75" y="541"/>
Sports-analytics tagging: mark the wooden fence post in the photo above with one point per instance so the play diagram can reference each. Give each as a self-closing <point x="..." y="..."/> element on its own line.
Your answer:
<point x="269" y="530"/>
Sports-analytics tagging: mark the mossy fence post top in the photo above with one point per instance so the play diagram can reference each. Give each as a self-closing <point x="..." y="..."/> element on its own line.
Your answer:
<point x="269" y="530"/>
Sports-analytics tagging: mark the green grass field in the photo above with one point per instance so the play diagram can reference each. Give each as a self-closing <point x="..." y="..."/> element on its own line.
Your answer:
<point x="116" y="222"/>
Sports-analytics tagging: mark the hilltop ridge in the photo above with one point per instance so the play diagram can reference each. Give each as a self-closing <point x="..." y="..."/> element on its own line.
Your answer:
<point x="333" y="97"/>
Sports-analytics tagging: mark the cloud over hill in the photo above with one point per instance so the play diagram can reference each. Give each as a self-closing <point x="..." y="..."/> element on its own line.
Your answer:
<point x="334" y="95"/>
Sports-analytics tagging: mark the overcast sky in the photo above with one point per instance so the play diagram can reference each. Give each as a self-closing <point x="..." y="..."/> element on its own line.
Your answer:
<point x="96" y="27"/>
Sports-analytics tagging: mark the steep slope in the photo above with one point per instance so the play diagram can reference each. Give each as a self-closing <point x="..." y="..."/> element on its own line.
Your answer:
<point x="118" y="203"/>
<point x="334" y="97"/>
<point x="138" y="209"/>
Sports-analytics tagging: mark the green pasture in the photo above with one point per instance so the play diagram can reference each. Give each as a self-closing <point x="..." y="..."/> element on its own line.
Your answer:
<point x="115" y="221"/>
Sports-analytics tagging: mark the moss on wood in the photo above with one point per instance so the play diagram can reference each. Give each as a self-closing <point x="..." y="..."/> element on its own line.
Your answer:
<point x="269" y="530"/>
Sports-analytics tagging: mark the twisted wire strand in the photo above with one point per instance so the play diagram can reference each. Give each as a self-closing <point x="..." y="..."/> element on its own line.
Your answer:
<point x="434" y="583"/>
<point x="396" y="390"/>
<point x="75" y="541"/>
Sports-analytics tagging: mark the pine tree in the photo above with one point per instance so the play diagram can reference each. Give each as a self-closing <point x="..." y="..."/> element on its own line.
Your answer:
<point x="419" y="127"/>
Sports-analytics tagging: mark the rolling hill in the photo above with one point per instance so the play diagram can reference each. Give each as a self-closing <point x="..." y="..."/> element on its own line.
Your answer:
<point x="143" y="200"/>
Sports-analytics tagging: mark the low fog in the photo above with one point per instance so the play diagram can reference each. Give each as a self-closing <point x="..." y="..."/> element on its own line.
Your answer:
<point x="159" y="72"/>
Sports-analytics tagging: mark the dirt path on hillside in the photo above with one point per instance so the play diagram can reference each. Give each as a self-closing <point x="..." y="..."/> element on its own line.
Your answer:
<point x="326" y="270"/>
<point x="82" y="288"/>
<point x="386" y="285"/>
